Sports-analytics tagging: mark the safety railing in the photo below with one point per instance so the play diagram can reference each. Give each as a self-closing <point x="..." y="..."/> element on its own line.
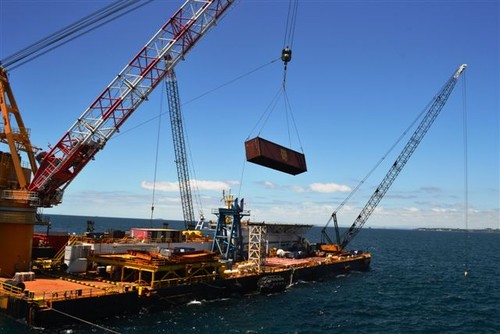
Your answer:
<point x="60" y="254"/>
<point x="10" y="289"/>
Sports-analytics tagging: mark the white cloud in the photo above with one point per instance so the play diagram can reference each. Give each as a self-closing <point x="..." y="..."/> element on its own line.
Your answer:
<point x="214" y="185"/>
<point x="133" y="205"/>
<point x="168" y="200"/>
<point x="269" y="185"/>
<point x="199" y="184"/>
<point x="163" y="186"/>
<point x="320" y="188"/>
<point x="442" y="210"/>
<point x="297" y="189"/>
<point x="328" y="187"/>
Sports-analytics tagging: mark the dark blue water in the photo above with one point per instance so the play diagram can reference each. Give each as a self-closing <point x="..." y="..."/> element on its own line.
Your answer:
<point x="416" y="285"/>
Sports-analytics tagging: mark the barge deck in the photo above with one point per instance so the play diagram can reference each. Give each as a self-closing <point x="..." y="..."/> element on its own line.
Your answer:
<point x="55" y="300"/>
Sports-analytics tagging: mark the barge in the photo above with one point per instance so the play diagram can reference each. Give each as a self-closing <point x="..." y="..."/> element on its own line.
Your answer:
<point x="99" y="277"/>
<point x="56" y="299"/>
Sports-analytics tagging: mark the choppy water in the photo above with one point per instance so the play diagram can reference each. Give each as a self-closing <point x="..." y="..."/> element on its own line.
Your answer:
<point x="416" y="285"/>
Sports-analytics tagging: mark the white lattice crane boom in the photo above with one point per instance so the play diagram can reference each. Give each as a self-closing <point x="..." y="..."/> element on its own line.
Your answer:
<point x="59" y="166"/>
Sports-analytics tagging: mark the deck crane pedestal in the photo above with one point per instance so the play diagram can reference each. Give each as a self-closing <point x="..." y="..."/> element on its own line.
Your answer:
<point x="17" y="215"/>
<point x="228" y="237"/>
<point x="433" y="111"/>
<point x="88" y="135"/>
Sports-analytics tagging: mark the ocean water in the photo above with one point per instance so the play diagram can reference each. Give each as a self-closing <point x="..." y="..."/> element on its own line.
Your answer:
<point x="416" y="285"/>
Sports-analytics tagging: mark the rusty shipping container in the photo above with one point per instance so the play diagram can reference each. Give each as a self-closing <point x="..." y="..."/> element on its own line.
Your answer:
<point x="269" y="154"/>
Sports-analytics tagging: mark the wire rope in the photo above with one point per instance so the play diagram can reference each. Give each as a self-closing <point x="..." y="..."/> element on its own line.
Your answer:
<point x="264" y="117"/>
<point x="291" y="20"/>
<point x="156" y="160"/>
<point x="239" y="77"/>
<point x="227" y="83"/>
<point x="286" y="57"/>
<point x="198" y="97"/>
<point x="42" y="47"/>
<point x="287" y="103"/>
<point x="84" y="321"/>
<point x="194" y="180"/>
<point x="66" y="31"/>
<point x="241" y="177"/>
<point x="286" y="54"/>
<point x="466" y="175"/>
<point x="42" y="43"/>
<point x="374" y="168"/>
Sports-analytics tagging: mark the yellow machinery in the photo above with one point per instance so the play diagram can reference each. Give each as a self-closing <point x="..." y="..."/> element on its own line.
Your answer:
<point x="17" y="214"/>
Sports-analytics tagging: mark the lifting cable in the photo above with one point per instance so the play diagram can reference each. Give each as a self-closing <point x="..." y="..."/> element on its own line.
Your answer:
<point x="240" y="77"/>
<point x="466" y="186"/>
<point x="156" y="160"/>
<point x="197" y="196"/>
<point x="197" y="193"/>
<point x="466" y="176"/>
<point x="262" y="121"/>
<point x="84" y="321"/>
<point x="286" y="57"/>
<point x="291" y="19"/>
<point x="81" y="27"/>
<point x="289" y="109"/>
<point x="405" y="132"/>
<point x="194" y="180"/>
<point x="198" y="97"/>
<point x="227" y="83"/>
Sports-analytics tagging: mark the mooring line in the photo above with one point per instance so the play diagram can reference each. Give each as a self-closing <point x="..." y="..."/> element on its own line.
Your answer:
<point x="85" y="321"/>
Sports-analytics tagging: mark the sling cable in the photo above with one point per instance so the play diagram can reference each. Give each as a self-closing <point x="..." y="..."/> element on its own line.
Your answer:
<point x="264" y="152"/>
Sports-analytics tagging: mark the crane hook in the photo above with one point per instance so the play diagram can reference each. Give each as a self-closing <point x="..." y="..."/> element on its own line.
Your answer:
<point x="286" y="55"/>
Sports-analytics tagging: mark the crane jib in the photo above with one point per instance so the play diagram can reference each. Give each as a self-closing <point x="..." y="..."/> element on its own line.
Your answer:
<point x="433" y="111"/>
<point x="123" y="95"/>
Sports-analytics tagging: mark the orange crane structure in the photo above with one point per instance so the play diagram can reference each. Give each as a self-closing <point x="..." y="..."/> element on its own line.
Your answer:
<point x="17" y="215"/>
<point x="22" y="196"/>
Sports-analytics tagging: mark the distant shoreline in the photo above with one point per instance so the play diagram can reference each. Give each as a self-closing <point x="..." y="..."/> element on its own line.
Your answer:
<point x="445" y="229"/>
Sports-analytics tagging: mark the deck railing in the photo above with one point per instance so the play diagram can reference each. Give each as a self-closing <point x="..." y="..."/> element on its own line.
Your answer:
<point x="10" y="289"/>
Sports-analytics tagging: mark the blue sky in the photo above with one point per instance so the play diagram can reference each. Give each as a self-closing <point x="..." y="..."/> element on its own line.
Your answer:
<point x="361" y="72"/>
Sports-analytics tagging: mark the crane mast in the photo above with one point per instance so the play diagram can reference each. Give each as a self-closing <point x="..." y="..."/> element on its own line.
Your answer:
<point x="105" y="116"/>
<point x="433" y="111"/>
<point x="16" y="138"/>
<point x="174" y="107"/>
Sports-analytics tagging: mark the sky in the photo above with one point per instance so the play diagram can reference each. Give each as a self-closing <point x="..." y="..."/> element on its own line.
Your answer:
<point x="360" y="74"/>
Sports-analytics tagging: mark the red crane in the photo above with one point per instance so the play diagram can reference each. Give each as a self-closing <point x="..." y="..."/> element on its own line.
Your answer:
<point x="88" y="135"/>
